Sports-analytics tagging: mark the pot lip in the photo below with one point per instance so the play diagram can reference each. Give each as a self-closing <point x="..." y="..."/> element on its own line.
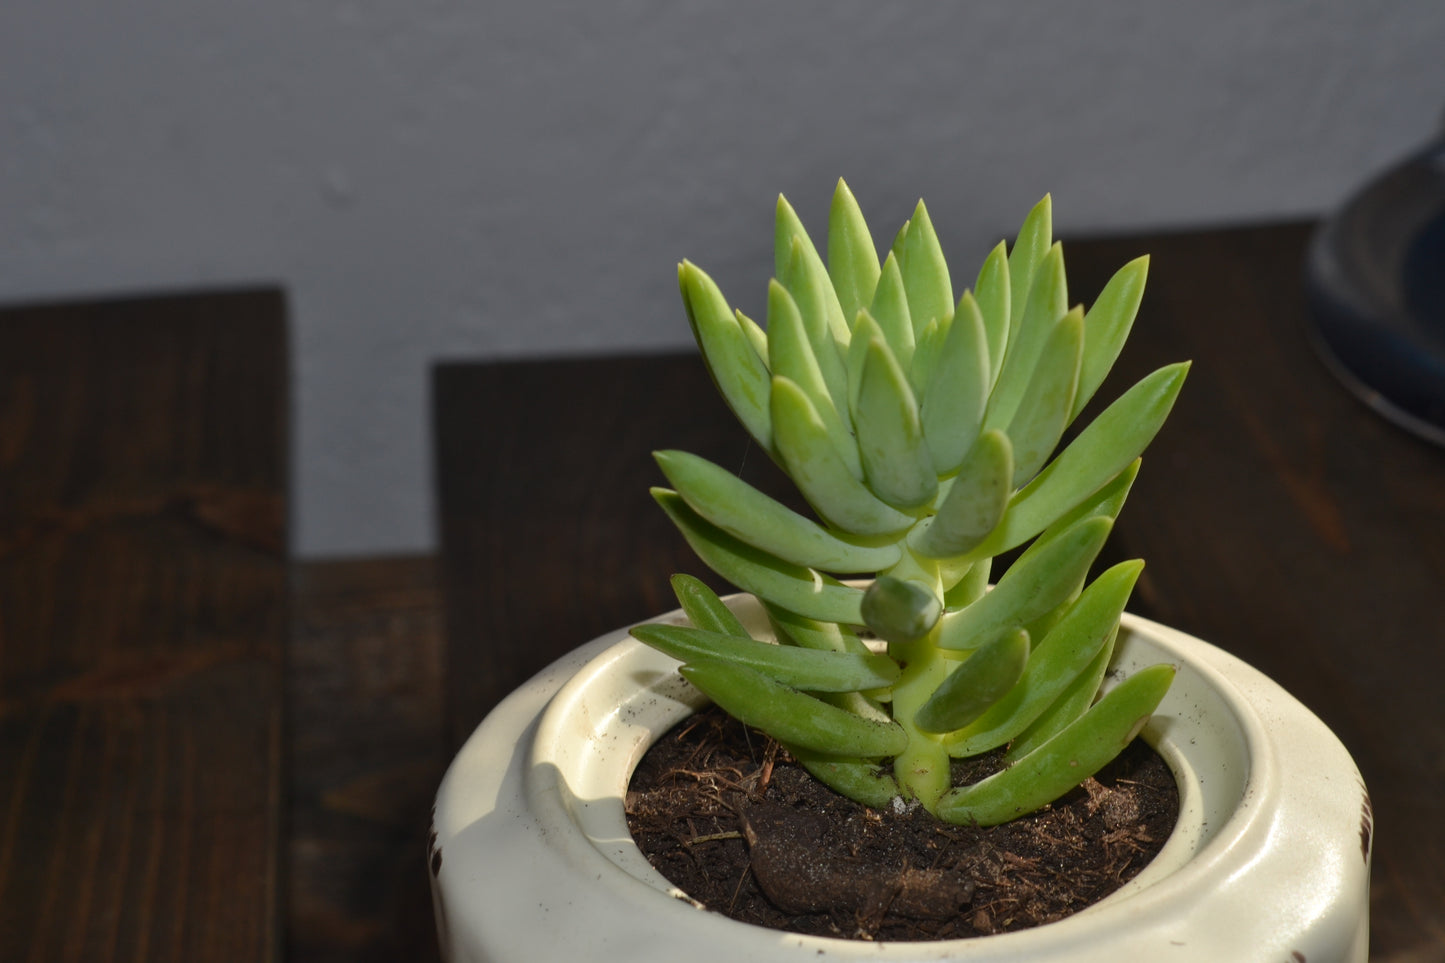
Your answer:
<point x="1245" y="842"/>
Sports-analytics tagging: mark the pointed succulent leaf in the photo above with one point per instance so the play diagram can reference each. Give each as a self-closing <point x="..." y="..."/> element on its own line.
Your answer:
<point x="803" y="590"/>
<point x="1068" y="708"/>
<point x="925" y="272"/>
<point x="1048" y="301"/>
<point x="1048" y="401"/>
<point x="984" y="678"/>
<point x="1034" y="240"/>
<point x="1032" y="586"/>
<point x="811" y="270"/>
<point x="974" y="503"/>
<point x="852" y="258"/>
<point x="991" y="291"/>
<point x="889" y="309"/>
<point x="925" y="356"/>
<point x="1064" y="761"/>
<point x="791" y="354"/>
<point x="1103" y="449"/>
<point x="900" y="240"/>
<point x="812" y="634"/>
<point x="953" y="404"/>
<point x="808" y="670"/>
<point x="703" y="608"/>
<point x="811" y="459"/>
<point x="1055" y="663"/>
<point x="790" y="716"/>
<point x="742" y="511"/>
<point x="1107" y="325"/>
<point x="900" y="610"/>
<point x="858" y="779"/>
<point x="896" y="462"/>
<point x="754" y="333"/>
<point x="741" y="376"/>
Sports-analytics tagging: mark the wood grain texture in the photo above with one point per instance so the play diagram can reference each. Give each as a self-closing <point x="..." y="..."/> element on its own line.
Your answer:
<point x="143" y="614"/>
<point x="1280" y="518"/>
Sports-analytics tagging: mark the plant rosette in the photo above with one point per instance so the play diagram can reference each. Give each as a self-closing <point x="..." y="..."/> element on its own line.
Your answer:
<point x="532" y="860"/>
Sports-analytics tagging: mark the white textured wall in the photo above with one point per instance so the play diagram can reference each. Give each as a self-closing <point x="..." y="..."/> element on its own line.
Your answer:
<point x="440" y="179"/>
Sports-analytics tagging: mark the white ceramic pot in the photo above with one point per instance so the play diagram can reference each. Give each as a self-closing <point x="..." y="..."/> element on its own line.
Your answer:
<point x="532" y="861"/>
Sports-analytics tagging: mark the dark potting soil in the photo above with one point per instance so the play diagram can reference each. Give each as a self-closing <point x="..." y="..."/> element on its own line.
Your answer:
<point x="726" y="815"/>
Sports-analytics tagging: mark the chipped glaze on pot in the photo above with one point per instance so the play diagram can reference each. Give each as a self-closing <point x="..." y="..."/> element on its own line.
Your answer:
<point x="532" y="861"/>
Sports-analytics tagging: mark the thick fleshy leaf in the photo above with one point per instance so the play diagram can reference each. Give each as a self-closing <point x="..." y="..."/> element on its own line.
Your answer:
<point x="803" y="590"/>
<point x="852" y="258"/>
<point x="812" y="634"/>
<point x="740" y="374"/>
<point x="791" y="354"/>
<point x="1107" y="325"/>
<point x="889" y="308"/>
<point x="896" y="462"/>
<point x="1034" y="240"/>
<point x="786" y="228"/>
<point x="806" y="669"/>
<point x="858" y="779"/>
<point x="974" y="503"/>
<point x="1106" y="447"/>
<point x="1033" y="585"/>
<point x="1060" y="658"/>
<point x="703" y="607"/>
<point x="790" y="716"/>
<point x="1068" y="708"/>
<point x="900" y="610"/>
<point x="1047" y="403"/>
<point x="1048" y="301"/>
<point x="925" y="272"/>
<point x="755" y="334"/>
<point x="992" y="293"/>
<point x="1065" y="760"/>
<point x="812" y="462"/>
<point x="741" y="510"/>
<point x="984" y="678"/>
<point x="953" y="404"/>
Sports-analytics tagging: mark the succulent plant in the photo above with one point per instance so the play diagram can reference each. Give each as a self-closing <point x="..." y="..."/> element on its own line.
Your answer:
<point x="919" y="428"/>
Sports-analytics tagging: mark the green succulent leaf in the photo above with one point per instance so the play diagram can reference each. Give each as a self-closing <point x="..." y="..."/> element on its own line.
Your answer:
<point x="803" y="590"/>
<point x="974" y="504"/>
<point x="1070" y="706"/>
<point x="812" y="634"/>
<point x="852" y="258"/>
<point x="925" y="272"/>
<point x="739" y="373"/>
<point x="858" y="779"/>
<point x="790" y="716"/>
<point x="1034" y="240"/>
<point x="794" y="354"/>
<point x="1047" y="403"/>
<point x="984" y="678"/>
<point x="1106" y="447"/>
<point x="703" y="608"/>
<point x="1048" y="301"/>
<point x="991" y="291"/>
<point x="925" y="354"/>
<point x="812" y="461"/>
<point x="900" y="610"/>
<point x="742" y="511"/>
<point x="896" y="462"/>
<point x="1061" y="657"/>
<point x="810" y="270"/>
<point x="1107" y="325"/>
<point x="754" y="333"/>
<point x="809" y="670"/>
<point x="1036" y="583"/>
<point x="889" y="309"/>
<point x="1064" y="761"/>
<point x="953" y="405"/>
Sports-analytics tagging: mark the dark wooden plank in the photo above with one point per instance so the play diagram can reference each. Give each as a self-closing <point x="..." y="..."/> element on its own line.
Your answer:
<point x="367" y="750"/>
<point x="143" y="613"/>
<point x="1280" y="518"/>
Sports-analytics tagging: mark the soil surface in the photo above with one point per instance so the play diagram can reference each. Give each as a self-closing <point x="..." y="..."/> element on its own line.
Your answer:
<point x="725" y="814"/>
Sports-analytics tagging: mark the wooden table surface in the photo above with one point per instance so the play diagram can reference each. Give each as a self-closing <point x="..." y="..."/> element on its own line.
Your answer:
<point x="213" y="754"/>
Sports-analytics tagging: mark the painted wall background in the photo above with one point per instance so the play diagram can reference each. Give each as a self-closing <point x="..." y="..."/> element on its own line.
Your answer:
<point x="434" y="179"/>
